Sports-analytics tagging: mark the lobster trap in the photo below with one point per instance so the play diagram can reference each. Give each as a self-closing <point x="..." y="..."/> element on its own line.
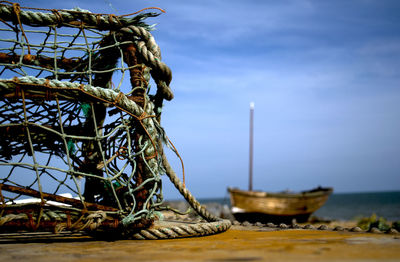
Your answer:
<point x="80" y="138"/>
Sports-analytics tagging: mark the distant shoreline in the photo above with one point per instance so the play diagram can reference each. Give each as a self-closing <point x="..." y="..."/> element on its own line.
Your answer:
<point x="340" y="206"/>
<point x="207" y="199"/>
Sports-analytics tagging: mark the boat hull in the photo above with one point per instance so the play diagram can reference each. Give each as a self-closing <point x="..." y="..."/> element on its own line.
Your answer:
<point x="277" y="207"/>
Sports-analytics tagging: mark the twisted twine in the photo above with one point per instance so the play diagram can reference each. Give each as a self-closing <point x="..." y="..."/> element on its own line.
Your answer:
<point x="9" y="217"/>
<point x="183" y="230"/>
<point x="72" y="18"/>
<point x="151" y="54"/>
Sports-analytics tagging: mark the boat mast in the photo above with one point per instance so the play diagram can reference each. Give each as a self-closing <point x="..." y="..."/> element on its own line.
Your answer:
<point x="251" y="147"/>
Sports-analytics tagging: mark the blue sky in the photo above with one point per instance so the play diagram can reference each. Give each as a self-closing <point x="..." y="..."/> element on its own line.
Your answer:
<point x="324" y="76"/>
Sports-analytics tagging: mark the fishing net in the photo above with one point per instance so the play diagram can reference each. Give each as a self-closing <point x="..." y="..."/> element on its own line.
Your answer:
<point x="81" y="147"/>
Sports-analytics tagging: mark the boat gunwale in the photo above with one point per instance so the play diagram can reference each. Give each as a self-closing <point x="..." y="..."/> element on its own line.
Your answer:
<point x="305" y="194"/>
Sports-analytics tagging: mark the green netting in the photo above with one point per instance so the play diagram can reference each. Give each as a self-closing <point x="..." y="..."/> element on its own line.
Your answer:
<point x="78" y="117"/>
<point x="81" y="146"/>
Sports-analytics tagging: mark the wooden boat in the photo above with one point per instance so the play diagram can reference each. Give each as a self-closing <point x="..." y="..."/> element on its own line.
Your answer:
<point x="277" y="207"/>
<point x="283" y="207"/>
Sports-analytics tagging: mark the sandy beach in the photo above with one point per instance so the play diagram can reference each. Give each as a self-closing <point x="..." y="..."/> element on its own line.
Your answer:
<point x="240" y="243"/>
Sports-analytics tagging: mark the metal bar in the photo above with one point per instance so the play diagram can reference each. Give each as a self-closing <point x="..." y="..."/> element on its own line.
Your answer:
<point x="251" y="146"/>
<point x="42" y="61"/>
<point x="61" y="199"/>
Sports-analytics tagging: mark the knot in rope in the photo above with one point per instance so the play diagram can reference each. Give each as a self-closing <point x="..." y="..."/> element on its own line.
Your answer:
<point x="58" y="16"/>
<point x="144" y="115"/>
<point x="94" y="220"/>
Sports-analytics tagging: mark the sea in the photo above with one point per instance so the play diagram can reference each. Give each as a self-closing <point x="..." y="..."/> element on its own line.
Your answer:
<point x="349" y="206"/>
